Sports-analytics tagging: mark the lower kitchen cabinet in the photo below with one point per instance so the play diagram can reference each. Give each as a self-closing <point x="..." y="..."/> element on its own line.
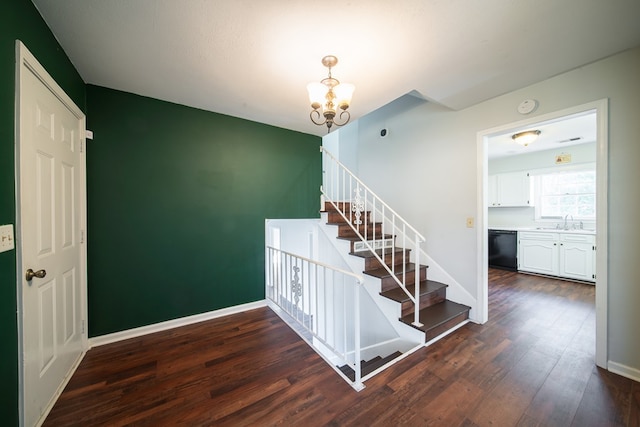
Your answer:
<point x="576" y="256"/>
<point x="538" y="253"/>
<point x="569" y="255"/>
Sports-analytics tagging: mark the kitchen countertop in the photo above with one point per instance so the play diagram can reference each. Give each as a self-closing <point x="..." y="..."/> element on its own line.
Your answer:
<point x="544" y="230"/>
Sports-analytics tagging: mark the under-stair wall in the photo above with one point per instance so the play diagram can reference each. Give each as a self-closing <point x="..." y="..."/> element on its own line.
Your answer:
<point x="380" y="334"/>
<point x="390" y="309"/>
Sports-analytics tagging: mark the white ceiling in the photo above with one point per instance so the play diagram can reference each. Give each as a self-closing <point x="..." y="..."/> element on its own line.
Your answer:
<point x="253" y="59"/>
<point x="554" y="134"/>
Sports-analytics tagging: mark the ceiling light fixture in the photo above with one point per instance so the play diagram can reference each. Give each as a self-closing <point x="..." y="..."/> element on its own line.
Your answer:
<point x="525" y="138"/>
<point x="330" y="95"/>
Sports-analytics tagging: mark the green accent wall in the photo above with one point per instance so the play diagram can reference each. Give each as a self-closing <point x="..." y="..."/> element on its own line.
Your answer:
<point x="177" y="202"/>
<point x="19" y="19"/>
<point x="177" y="199"/>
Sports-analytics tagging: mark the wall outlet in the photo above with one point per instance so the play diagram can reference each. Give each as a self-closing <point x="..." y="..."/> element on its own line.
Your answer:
<point x="470" y="222"/>
<point x="6" y="238"/>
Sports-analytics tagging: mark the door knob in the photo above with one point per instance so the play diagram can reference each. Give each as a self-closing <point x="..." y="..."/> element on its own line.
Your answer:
<point x="31" y="274"/>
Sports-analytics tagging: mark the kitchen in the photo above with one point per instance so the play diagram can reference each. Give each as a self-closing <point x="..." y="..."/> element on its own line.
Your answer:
<point x="542" y="199"/>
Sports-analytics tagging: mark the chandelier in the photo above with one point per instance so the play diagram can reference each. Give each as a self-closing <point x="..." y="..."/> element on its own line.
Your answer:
<point x="330" y="95"/>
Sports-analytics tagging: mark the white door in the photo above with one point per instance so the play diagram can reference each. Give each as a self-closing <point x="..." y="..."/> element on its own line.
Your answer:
<point x="51" y="215"/>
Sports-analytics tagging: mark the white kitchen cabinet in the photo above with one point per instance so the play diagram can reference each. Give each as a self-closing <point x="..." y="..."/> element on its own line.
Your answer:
<point x="511" y="189"/>
<point x="570" y="255"/>
<point x="538" y="252"/>
<point x="576" y="256"/>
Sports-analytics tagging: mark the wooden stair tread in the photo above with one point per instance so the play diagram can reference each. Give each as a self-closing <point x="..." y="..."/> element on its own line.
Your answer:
<point x="357" y="238"/>
<point x="369" y="254"/>
<point x="437" y="315"/>
<point x="355" y="225"/>
<point x="366" y="367"/>
<point x="382" y="272"/>
<point x="426" y="287"/>
<point x="328" y="207"/>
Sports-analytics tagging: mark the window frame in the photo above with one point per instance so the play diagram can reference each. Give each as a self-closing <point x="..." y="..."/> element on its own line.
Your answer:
<point x="536" y="177"/>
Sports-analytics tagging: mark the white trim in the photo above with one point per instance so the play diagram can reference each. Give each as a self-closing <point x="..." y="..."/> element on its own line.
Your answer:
<point x="602" y="227"/>
<point x="602" y="147"/>
<point x="482" y="189"/>
<point x="455" y="291"/>
<point x="624" y="370"/>
<point x="25" y="59"/>
<point x="331" y="360"/>
<point x="392" y="362"/>
<point x="447" y="332"/>
<point x="175" y="323"/>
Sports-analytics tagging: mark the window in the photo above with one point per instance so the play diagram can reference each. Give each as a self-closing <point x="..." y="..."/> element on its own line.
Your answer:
<point x="567" y="193"/>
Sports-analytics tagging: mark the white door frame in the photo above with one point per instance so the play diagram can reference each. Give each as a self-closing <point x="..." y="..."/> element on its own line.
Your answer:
<point x="602" y="155"/>
<point x="26" y="59"/>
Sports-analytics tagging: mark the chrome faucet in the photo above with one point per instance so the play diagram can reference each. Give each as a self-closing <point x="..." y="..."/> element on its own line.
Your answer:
<point x="566" y="226"/>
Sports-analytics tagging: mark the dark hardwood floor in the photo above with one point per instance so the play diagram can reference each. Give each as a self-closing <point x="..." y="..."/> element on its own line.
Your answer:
<point x="531" y="364"/>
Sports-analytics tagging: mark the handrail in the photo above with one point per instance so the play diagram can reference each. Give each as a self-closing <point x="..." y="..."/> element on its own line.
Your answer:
<point x="339" y="190"/>
<point x="324" y="150"/>
<point x="359" y="278"/>
<point x="301" y="287"/>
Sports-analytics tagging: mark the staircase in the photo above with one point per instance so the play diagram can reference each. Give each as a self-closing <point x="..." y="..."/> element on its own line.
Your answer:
<point x="437" y="314"/>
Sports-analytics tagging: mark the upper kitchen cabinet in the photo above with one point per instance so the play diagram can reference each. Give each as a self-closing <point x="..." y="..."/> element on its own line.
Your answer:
<point x="511" y="189"/>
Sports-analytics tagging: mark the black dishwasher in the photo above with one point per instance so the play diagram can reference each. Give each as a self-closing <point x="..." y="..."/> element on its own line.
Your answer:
<point x="503" y="249"/>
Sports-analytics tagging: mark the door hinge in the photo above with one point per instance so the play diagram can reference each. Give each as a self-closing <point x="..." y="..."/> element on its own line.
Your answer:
<point x="594" y="248"/>
<point x="81" y="236"/>
<point x="82" y="327"/>
<point x="82" y="146"/>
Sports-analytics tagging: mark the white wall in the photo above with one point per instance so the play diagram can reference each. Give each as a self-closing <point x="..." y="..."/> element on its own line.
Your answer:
<point x="525" y="216"/>
<point x="580" y="154"/>
<point x="426" y="168"/>
<point x="345" y="152"/>
<point x="305" y="238"/>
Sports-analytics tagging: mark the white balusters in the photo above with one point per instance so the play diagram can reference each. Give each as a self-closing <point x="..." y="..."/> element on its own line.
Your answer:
<point x="364" y="200"/>
<point x="312" y="293"/>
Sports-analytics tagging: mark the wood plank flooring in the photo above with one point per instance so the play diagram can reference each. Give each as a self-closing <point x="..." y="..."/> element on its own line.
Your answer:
<point x="531" y="364"/>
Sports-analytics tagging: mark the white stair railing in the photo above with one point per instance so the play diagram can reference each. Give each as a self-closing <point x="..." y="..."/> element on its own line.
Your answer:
<point x="324" y="301"/>
<point x="360" y="206"/>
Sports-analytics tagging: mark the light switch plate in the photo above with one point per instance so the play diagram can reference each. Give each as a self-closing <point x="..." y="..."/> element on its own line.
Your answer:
<point x="6" y="238"/>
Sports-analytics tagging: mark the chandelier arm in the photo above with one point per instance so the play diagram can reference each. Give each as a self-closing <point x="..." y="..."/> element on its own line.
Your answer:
<point x="344" y="112"/>
<point x="318" y="116"/>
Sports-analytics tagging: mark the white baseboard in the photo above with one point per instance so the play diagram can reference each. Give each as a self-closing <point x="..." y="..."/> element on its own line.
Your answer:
<point x="625" y="371"/>
<point x="175" y="323"/>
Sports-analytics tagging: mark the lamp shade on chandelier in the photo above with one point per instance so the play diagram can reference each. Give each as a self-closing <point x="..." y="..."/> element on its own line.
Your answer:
<point x="330" y="96"/>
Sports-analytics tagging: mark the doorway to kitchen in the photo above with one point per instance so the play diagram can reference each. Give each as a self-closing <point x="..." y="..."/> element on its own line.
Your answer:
<point x="562" y="156"/>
